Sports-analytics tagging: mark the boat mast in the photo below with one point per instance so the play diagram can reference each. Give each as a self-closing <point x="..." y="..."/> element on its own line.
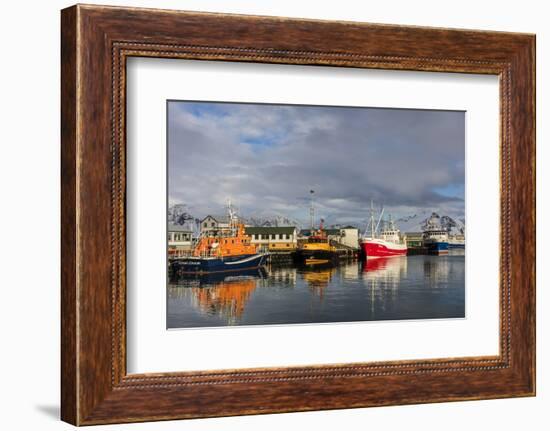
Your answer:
<point x="372" y="219"/>
<point x="380" y="218"/>
<point x="312" y="211"/>
<point x="232" y="217"/>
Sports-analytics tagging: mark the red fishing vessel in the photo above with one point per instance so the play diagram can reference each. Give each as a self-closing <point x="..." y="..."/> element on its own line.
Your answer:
<point x="385" y="242"/>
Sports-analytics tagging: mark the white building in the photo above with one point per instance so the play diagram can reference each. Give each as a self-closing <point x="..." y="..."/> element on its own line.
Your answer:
<point x="273" y="238"/>
<point x="179" y="240"/>
<point x="349" y="236"/>
<point x="214" y="222"/>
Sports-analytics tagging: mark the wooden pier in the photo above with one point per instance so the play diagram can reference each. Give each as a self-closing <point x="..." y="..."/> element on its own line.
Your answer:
<point x="281" y="257"/>
<point x="344" y="251"/>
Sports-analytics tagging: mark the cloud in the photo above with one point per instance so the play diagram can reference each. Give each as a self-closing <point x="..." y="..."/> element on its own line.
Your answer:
<point x="266" y="158"/>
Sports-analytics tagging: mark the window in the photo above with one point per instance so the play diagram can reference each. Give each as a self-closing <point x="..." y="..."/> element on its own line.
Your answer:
<point x="272" y="236"/>
<point x="205" y="224"/>
<point x="212" y="224"/>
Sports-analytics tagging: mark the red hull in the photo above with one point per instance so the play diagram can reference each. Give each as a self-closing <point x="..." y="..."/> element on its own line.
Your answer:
<point x="377" y="249"/>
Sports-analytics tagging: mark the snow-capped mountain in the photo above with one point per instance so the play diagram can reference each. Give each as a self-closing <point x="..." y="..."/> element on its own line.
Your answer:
<point x="274" y="221"/>
<point x="416" y="222"/>
<point x="179" y="215"/>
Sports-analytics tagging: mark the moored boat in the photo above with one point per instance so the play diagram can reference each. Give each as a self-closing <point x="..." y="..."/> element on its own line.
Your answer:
<point x="435" y="237"/>
<point x="384" y="243"/>
<point x="225" y="250"/>
<point x="317" y="250"/>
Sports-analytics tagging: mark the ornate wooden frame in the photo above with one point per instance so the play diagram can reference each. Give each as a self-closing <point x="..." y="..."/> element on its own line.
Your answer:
<point x="95" y="42"/>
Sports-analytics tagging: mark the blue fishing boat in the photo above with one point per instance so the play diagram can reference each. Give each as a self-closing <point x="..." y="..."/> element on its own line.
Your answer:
<point x="435" y="237"/>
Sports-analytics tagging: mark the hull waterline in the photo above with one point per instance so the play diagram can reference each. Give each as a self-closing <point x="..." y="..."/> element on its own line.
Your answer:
<point x="438" y="247"/>
<point x="209" y="265"/>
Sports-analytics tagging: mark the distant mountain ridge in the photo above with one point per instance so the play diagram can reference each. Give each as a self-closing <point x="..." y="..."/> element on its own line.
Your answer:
<point x="415" y="222"/>
<point x="179" y="215"/>
<point x="275" y="221"/>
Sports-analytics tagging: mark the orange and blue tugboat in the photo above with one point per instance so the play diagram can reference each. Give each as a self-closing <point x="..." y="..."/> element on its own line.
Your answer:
<point x="227" y="249"/>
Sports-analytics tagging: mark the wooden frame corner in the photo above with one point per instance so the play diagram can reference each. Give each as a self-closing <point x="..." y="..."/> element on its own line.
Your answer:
<point x="95" y="43"/>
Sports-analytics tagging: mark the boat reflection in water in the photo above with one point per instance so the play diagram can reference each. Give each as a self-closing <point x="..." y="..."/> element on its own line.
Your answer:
<point x="318" y="277"/>
<point x="437" y="272"/>
<point x="385" y="265"/>
<point x="395" y="288"/>
<point x="221" y="294"/>
<point x="382" y="276"/>
<point x="216" y="278"/>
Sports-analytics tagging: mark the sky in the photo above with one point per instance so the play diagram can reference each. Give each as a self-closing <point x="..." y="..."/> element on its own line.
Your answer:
<point x="267" y="158"/>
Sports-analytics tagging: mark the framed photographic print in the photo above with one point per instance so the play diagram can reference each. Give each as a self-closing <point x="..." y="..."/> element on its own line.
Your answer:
<point x="266" y="215"/>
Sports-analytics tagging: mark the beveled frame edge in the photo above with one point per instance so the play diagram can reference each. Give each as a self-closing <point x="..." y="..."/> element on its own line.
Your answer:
<point x="96" y="41"/>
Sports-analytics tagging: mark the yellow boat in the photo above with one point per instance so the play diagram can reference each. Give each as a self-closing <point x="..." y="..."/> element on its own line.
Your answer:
<point x="317" y="249"/>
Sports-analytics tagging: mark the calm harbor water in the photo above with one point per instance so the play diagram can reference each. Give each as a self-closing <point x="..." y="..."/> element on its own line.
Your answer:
<point x="412" y="287"/>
